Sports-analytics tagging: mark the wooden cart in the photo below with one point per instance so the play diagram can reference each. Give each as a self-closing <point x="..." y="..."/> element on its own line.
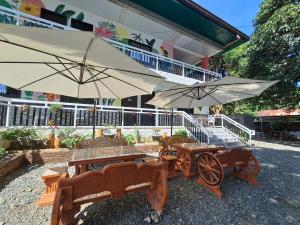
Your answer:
<point x="210" y="161"/>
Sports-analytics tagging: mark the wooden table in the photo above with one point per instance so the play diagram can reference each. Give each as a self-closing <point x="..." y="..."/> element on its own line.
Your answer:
<point x="83" y="157"/>
<point x="186" y="153"/>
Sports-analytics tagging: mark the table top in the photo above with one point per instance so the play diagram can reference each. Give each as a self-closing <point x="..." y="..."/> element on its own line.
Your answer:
<point x="197" y="147"/>
<point x="105" y="154"/>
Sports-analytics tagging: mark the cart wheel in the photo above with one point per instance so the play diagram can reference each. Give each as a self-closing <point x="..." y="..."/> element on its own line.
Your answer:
<point x="251" y="167"/>
<point x="183" y="160"/>
<point x="210" y="169"/>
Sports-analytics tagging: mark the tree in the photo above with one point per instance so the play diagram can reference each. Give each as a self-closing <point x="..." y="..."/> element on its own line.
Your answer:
<point x="273" y="53"/>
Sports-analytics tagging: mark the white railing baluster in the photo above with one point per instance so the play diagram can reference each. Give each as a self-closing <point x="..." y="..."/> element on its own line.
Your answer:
<point x="7" y="114"/>
<point x="122" y="119"/>
<point x="75" y="117"/>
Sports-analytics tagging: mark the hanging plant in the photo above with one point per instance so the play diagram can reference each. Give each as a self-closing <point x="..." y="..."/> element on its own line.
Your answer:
<point x="91" y="109"/>
<point x="25" y="108"/>
<point x="55" y="108"/>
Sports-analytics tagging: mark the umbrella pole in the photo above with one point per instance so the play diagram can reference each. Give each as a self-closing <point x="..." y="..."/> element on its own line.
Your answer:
<point x="94" y="118"/>
<point x="171" y="122"/>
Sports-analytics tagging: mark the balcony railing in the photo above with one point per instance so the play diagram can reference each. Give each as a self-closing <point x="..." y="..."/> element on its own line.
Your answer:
<point x="148" y="59"/>
<point x="21" y="112"/>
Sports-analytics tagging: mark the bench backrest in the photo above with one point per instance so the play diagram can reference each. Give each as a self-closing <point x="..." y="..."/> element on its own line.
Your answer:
<point x="114" y="178"/>
<point x="113" y="181"/>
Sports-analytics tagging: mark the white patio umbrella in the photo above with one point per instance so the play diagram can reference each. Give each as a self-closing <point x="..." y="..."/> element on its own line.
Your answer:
<point x="72" y="63"/>
<point x="222" y="91"/>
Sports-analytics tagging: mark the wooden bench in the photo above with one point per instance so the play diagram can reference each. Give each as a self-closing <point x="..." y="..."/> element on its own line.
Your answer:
<point x="166" y="144"/>
<point x="167" y="153"/>
<point x="113" y="181"/>
<point x="50" y="178"/>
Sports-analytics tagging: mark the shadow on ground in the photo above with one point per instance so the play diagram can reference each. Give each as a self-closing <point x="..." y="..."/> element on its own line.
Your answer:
<point x="275" y="201"/>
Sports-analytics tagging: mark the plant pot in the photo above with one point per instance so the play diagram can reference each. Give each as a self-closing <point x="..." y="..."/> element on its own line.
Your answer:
<point x="165" y="134"/>
<point x="51" y="138"/>
<point x="99" y="133"/>
<point x="5" y="143"/>
<point x="56" y="143"/>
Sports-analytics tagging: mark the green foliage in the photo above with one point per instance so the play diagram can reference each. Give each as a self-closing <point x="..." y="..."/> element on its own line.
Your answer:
<point x="71" y="142"/>
<point x="277" y="34"/>
<point x="69" y="138"/>
<point x="267" y="9"/>
<point x="129" y="139"/>
<point x="181" y="133"/>
<point x="138" y="135"/>
<point x="54" y="108"/>
<point x="23" y="138"/>
<point x="3" y="153"/>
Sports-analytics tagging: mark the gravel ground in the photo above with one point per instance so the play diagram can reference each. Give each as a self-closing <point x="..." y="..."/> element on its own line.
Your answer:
<point x="275" y="201"/>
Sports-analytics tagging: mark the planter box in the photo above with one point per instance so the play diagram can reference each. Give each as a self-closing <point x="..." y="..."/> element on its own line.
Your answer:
<point x="12" y="165"/>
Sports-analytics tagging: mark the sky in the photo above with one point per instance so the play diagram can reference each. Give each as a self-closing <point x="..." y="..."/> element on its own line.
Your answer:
<point x="238" y="13"/>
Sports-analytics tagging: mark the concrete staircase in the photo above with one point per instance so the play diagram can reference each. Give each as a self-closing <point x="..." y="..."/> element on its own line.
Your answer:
<point x="221" y="136"/>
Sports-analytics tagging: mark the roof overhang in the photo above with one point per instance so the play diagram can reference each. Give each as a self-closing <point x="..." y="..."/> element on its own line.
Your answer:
<point x="188" y="17"/>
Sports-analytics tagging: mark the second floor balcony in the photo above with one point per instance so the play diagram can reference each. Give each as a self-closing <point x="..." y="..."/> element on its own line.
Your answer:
<point x="156" y="62"/>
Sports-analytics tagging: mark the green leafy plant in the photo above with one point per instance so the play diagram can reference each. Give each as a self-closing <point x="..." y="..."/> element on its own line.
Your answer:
<point x="72" y="141"/>
<point x="23" y="137"/>
<point x="3" y="153"/>
<point x="69" y="138"/>
<point x="181" y="133"/>
<point x="130" y="139"/>
<point x="55" y="108"/>
<point x="138" y="135"/>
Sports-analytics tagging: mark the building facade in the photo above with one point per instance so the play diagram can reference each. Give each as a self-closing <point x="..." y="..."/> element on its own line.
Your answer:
<point x="175" y="38"/>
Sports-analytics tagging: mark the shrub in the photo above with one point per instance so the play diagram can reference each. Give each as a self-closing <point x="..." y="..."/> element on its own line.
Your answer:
<point x="55" y="108"/>
<point x="23" y="137"/>
<point x="138" y="136"/>
<point x="129" y="139"/>
<point x="181" y="133"/>
<point x="3" y="153"/>
<point x="71" y="142"/>
<point x="69" y="139"/>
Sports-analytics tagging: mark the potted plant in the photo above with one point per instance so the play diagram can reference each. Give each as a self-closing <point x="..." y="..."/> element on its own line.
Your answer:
<point x="54" y="108"/>
<point x="25" y="108"/>
<point x="156" y="134"/>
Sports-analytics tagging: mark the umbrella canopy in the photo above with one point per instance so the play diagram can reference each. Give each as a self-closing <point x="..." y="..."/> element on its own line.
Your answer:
<point x="215" y="92"/>
<point x="72" y="63"/>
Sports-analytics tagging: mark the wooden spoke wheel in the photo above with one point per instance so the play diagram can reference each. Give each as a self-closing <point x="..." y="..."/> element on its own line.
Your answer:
<point x="184" y="160"/>
<point x="251" y="167"/>
<point x="157" y="197"/>
<point x="210" y="169"/>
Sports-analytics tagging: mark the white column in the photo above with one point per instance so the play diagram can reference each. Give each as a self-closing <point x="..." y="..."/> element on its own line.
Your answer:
<point x="139" y="101"/>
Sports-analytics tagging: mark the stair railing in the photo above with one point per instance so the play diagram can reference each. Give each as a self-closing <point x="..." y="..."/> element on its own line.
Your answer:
<point x="240" y="131"/>
<point x="195" y="128"/>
